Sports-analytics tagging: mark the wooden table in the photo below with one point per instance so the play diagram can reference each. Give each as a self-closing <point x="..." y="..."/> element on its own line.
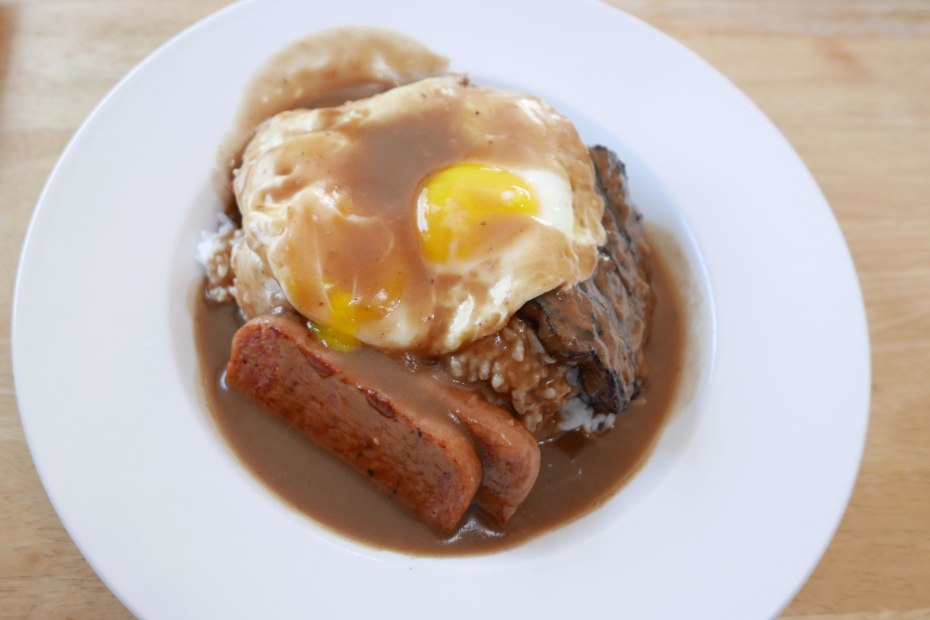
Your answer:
<point x="848" y="82"/>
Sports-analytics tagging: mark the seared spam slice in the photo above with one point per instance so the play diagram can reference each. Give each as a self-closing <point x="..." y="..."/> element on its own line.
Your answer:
<point x="509" y="452"/>
<point x="413" y="451"/>
<point x="420" y="437"/>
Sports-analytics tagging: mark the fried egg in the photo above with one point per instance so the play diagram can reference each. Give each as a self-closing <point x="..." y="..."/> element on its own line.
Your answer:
<point x="419" y="219"/>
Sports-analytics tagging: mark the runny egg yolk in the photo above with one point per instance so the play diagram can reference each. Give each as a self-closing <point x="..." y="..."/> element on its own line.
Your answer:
<point x="339" y="333"/>
<point x="457" y="201"/>
<point x="346" y="312"/>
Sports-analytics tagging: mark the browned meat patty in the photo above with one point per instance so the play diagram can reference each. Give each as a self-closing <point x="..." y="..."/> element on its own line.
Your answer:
<point x="601" y="326"/>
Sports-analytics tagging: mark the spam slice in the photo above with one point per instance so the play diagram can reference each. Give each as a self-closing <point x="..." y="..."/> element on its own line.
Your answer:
<point x="420" y="456"/>
<point x="434" y="446"/>
<point x="509" y="452"/>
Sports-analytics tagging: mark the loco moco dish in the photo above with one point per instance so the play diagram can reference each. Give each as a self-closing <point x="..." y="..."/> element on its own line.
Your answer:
<point x="441" y="286"/>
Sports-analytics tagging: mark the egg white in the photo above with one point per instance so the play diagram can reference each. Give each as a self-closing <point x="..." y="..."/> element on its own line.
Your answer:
<point x="557" y="247"/>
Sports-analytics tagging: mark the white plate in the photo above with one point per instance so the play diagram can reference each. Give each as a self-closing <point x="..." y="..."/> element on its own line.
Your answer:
<point x="730" y="514"/>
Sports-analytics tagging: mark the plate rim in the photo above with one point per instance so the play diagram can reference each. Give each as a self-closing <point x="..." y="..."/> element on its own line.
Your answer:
<point x="100" y="108"/>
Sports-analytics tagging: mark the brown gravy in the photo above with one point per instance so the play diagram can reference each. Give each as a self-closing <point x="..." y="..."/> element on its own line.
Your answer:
<point x="322" y="70"/>
<point x="577" y="475"/>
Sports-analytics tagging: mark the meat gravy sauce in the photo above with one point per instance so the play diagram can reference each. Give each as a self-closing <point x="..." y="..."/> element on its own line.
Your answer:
<point x="577" y="474"/>
<point x="324" y="70"/>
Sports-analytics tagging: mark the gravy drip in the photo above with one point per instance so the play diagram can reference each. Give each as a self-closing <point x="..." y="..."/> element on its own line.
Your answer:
<point x="326" y="70"/>
<point x="577" y="475"/>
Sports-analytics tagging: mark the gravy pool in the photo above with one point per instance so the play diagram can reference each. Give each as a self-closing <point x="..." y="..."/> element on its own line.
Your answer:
<point x="577" y="474"/>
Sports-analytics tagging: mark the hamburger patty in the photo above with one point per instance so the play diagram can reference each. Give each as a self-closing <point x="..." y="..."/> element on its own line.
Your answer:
<point x="573" y="358"/>
<point x="602" y="325"/>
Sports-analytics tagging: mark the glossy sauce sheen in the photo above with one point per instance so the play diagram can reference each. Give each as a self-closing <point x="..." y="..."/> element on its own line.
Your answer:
<point x="577" y="475"/>
<point x="324" y="70"/>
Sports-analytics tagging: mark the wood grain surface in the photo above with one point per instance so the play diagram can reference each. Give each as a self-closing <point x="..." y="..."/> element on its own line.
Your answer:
<point x="846" y="81"/>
